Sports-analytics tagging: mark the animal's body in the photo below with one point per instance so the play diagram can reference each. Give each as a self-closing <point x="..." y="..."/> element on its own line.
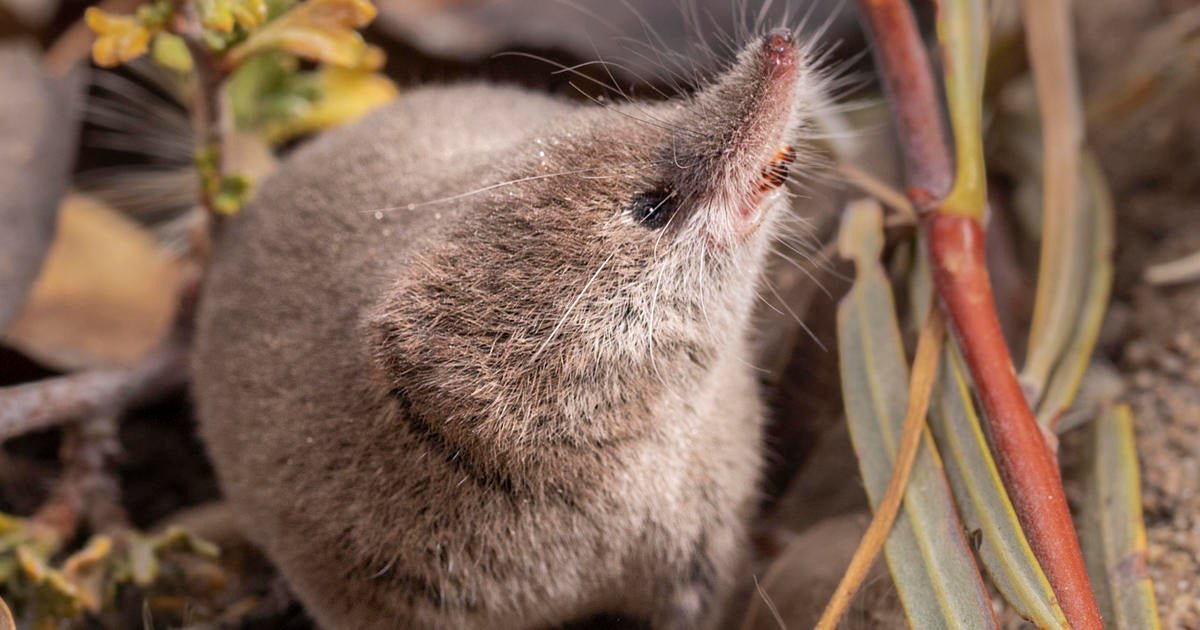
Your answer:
<point x="513" y="408"/>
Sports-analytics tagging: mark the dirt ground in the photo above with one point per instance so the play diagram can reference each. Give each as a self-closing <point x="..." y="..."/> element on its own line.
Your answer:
<point x="1153" y="333"/>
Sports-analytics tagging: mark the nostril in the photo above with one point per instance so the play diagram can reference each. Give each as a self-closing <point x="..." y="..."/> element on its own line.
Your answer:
<point x="780" y="41"/>
<point x="780" y="49"/>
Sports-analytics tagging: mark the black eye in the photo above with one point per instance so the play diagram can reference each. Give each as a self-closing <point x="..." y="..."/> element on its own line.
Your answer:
<point x="653" y="208"/>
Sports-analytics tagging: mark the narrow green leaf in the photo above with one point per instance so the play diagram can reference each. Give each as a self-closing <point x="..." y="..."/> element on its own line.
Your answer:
<point x="1113" y="536"/>
<point x="1061" y="278"/>
<point x="927" y="551"/>
<point x="1093" y="260"/>
<point x="983" y="502"/>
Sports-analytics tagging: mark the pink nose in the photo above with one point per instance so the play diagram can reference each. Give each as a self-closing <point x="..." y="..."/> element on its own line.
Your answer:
<point x="780" y="49"/>
<point x="780" y="41"/>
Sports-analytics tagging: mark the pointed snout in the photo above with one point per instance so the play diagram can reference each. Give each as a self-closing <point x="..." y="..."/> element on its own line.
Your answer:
<point x="779" y="51"/>
<point x="738" y="133"/>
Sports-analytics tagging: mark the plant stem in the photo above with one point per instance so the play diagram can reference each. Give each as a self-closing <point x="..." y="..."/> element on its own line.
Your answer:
<point x="900" y="55"/>
<point x="956" y="244"/>
<point x="56" y="401"/>
<point x="88" y="489"/>
<point x="208" y="74"/>
<point x="1027" y="465"/>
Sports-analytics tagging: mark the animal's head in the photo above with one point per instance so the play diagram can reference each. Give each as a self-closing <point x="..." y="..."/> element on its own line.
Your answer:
<point x="611" y="265"/>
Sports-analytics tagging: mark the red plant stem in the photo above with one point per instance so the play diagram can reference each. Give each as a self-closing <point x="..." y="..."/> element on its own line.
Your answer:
<point x="956" y="245"/>
<point x="912" y="93"/>
<point x="1029" y="468"/>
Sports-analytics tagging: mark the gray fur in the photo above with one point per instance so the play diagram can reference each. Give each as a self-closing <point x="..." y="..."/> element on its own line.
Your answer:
<point x="511" y="408"/>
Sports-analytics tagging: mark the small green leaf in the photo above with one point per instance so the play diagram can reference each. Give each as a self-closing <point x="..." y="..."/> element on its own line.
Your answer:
<point x="231" y="194"/>
<point x="170" y="52"/>
<point x="1113" y="535"/>
<point x="156" y="15"/>
<point x="143" y="562"/>
<point x="223" y="15"/>
<point x="269" y="90"/>
<point x="177" y="538"/>
<point x="88" y="571"/>
<point x="52" y="598"/>
<point x="1093" y="257"/>
<point x="927" y="551"/>
<point x="343" y="95"/>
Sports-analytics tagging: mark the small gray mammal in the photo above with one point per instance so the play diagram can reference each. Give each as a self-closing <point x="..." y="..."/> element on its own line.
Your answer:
<point x="482" y="360"/>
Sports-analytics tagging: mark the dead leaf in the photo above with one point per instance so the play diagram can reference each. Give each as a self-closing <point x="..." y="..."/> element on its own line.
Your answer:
<point x="105" y="297"/>
<point x="37" y="145"/>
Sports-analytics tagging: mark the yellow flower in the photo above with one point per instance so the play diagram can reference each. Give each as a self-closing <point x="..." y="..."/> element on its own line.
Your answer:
<point x="119" y="38"/>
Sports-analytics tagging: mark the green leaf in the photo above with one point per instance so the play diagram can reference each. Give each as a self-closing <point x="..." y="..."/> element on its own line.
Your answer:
<point x="156" y="15"/>
<point x="170" y="52"/>
<point x="1113" y="535"/>
<point x="979" y="491"/>
<point x="231" y="194"/>
<point x="343" y="96"/>
<point x="223" y="15"/>
<point x="143" y="562"/>
<point x="52" y="598"/>
<point x="927" y="551"/>
<point x="88" y="570"/>
<point x="269" y="96"/>
<point x="176" y="538"/>
<point x="983" y="502"/>
<point x="1093" y="259"/>
<point x="318" y="30"/>
<point x="1062" y="274"/>
<point x="268" y="89"/>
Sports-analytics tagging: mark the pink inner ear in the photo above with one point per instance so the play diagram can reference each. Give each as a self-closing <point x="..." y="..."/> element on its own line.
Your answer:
<point x="772" y="176"/>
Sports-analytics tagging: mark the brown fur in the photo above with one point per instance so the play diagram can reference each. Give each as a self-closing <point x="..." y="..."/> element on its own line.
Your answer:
<point x="516" y="407"/>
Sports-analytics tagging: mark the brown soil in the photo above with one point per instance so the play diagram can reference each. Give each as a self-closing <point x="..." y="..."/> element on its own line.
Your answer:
<point x="1153" y="333"/>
